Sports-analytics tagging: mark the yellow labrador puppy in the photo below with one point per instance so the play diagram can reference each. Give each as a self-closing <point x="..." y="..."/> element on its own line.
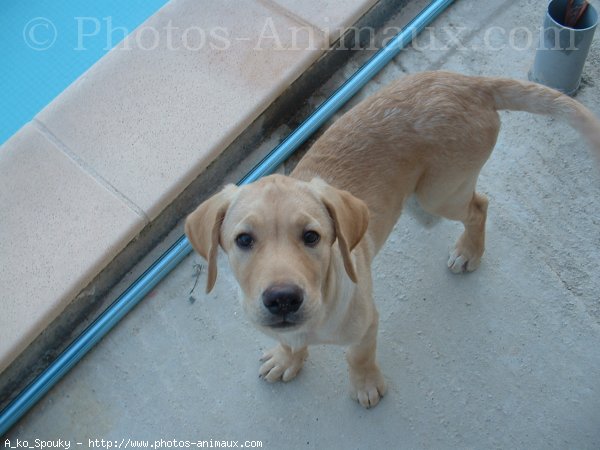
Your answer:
<point x="301" y="246"/>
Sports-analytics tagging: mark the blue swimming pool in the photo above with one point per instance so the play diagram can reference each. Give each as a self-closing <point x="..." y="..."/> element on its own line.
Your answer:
<point x="45" y="45"/>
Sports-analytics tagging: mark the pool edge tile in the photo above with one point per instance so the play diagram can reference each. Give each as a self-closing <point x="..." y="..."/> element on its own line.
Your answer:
<point x="151" y="133"/>
<point x="51" y="200"/>
<point x="334" y="18"/>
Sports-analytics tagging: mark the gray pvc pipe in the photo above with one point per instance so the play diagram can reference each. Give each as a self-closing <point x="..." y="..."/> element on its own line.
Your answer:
<point x="562" y="51"/>
<point x="174" y="255"/>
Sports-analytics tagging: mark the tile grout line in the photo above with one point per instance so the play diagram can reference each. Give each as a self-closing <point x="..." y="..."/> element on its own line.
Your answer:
<point x="271" y="4"/>
<point x="62" y="147"/>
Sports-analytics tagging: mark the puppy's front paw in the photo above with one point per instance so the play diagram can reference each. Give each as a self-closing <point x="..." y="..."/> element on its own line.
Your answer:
<point x="367" y="386"/>
<point x="281" y="363"/>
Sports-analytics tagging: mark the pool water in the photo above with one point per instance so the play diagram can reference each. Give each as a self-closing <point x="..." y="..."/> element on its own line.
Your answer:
<point x="45" y="45"/>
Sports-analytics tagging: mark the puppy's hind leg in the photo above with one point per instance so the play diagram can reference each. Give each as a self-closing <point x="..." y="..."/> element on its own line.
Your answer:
<point x="459" y="201"/>
<point x="469" y="248"/>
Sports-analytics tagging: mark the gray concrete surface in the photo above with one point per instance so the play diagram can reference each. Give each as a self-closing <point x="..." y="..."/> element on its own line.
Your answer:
<point x="506" y="357"/>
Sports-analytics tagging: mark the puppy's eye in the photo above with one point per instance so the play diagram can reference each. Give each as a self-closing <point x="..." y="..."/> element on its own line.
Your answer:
<point x="244" y="241"/>
<point x="311" y="238"/>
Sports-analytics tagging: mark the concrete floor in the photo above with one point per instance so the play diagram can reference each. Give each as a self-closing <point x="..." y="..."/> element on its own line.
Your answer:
<point x="506" y="357"/>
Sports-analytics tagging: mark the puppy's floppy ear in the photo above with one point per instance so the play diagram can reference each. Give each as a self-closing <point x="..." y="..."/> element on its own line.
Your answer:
<point x="203" y="227"/>
<point x="350" y="218"/>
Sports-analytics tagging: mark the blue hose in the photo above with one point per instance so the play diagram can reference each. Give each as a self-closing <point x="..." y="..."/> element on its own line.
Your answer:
<point x="178" y="251"/>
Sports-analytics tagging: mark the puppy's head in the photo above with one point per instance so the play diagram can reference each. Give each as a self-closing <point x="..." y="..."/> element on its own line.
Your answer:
<point x="279" y="234"/>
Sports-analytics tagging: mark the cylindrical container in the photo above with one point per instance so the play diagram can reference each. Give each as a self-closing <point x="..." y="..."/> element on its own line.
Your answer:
<point x="562" y="50"/>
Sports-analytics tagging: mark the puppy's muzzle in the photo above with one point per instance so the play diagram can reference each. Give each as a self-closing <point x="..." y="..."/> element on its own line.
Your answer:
<point x="283" y="301"/>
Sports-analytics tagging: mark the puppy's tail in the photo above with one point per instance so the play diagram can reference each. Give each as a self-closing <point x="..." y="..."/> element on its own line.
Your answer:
<point x="537" y="99"/>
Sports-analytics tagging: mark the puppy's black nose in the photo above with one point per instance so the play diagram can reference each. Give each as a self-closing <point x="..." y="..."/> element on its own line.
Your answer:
<point x="283" y="299"/>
